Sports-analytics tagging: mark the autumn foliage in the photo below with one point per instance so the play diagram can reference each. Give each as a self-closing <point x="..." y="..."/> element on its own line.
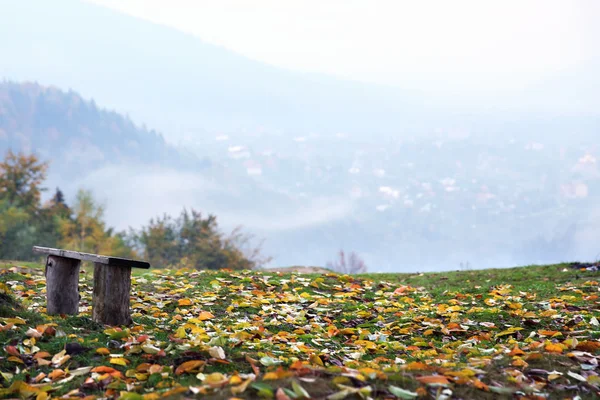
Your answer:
<point x="191" y="240"/>
<point x="255" y="334"/>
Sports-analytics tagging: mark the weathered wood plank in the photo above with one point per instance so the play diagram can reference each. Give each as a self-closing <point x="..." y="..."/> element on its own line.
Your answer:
<point x="62" y="285"/>
<point x="111" y="295"/>
<point x="95" y="258"/>
<point x="72" y="254"/>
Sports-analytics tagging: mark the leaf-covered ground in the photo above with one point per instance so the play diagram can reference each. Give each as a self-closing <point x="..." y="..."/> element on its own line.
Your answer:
<point x="527" y="332"/>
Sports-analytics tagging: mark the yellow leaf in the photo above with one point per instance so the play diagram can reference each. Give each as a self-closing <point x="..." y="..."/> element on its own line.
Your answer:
<point x="464" y="373"/>
<point x="366" y="344"/>
<point x="181" y="333"/>
<point x="316" y="360"/>
<point x="509" y="331"/>
<point x="42" y="396"/>
<point x="216" y="379"/>
<point x="270" y="376"/>
<point x="4" y="288"/>
<point x="119" y="361"/>
<point x="515" y="306"/>
<point x="549" y="333"/>
<point x="14" y="321"/>
<point x="593" y="380"/>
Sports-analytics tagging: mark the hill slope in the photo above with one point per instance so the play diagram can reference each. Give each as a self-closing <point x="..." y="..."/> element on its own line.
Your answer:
<point x="252" y="334"/>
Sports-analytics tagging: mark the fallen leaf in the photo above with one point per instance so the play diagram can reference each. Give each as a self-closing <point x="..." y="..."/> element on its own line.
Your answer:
<point x="189" y="366"/>
<point x="402" y="393"/>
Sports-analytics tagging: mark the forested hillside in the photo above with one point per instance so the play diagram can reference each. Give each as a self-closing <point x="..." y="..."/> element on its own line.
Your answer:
<point x="75" y="135"/>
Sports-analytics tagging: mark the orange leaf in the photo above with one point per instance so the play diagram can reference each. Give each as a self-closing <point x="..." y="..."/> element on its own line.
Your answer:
<point x="104" y="370"/>
<point x="516" y="351"/>
<point x="56" y="374"/>
<point x="103" y="351"/>
<point x="481" y="386"/>
<point x="533" y="356"/>
<point x="184" y="302"/>
<point x="204" y="315"/>
<point x="189" y="366"/>
<point x="554" y="348"/>
<point x="142" y="338"/>
<point x="416" y="366"/>
<point x="42" y="354"/>
<point x="519" y="362"/>
<point x="434" y="380"/>
<point x="143" y="367"/>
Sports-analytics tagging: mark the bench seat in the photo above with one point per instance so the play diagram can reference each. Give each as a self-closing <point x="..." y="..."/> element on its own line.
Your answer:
<point x="112" y="284"/>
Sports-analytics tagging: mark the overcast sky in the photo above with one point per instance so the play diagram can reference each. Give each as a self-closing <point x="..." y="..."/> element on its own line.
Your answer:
<point x="467" y="44"/>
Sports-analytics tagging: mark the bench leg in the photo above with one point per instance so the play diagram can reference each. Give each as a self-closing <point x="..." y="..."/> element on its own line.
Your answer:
<point x="112" y="285"/>
<point x="62" y="285"/>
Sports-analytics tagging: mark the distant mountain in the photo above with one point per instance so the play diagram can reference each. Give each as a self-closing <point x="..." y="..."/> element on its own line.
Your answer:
<point x="76" y="135"/>
<point x="185" y="87"/>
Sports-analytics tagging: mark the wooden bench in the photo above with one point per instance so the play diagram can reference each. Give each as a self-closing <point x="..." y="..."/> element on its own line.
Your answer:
<point x="112" y="284"/>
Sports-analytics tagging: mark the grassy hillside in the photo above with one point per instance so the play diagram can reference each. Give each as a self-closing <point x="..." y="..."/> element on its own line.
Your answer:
<point x="528" y="332"/>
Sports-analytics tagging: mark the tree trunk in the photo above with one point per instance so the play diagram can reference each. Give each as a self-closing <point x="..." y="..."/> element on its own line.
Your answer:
<point x="112" y="285"/>
<point x="62" y="285"/>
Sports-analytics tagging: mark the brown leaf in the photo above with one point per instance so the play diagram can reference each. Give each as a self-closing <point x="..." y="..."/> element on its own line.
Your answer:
<point x="434" y="380"/>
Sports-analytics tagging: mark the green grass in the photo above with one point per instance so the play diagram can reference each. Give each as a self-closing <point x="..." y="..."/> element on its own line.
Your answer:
<point x="329" y="333"/>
